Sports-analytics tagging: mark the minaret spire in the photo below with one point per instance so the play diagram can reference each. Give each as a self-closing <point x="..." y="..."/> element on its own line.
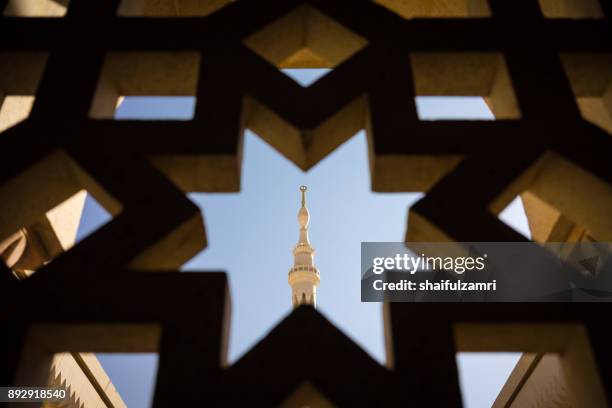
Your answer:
<point x="304" y="276"/>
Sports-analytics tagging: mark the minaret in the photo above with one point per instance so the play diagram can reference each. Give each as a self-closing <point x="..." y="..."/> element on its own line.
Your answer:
<point x="304" y="276"/>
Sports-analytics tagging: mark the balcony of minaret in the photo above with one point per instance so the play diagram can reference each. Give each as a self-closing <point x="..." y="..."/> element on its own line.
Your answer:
<point x="304" y="268"/>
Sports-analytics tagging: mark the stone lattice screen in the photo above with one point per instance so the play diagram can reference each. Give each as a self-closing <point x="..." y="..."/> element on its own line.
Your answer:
<point x="542" y="66"/>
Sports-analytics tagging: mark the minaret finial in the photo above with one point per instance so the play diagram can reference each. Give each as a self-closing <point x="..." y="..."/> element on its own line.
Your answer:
<point x="303" y="216"/>
<point x="303" y="190"/>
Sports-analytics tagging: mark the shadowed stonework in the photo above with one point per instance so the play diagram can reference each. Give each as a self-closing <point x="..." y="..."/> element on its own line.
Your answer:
<point x="543" y="68"/>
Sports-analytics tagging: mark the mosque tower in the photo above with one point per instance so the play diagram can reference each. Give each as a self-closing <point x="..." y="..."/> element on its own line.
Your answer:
<point x="304" y="276"/>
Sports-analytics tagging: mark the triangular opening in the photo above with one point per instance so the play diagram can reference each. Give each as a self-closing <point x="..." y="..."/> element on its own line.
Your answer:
<point x="514" y="216"/>
<point x="305" y="76"/>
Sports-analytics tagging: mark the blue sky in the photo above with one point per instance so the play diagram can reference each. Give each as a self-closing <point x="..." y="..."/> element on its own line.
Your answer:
<point x="251" y="235"/>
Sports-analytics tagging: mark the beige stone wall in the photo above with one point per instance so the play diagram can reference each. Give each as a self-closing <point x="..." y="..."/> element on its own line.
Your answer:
<point x="565" y="377"/>
<point x="14" y="109"/>
<point x="35" y="245"/>
<point x="36" y="8"/>
<point x="86" y="381"/>
<point x="30" y="247"/>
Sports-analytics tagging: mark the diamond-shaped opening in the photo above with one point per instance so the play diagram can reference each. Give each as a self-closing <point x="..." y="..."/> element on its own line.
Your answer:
<point x="437" y="8"/>
<point x="121" y="374"/>
<point x="590" y="76"/>
<point x="453" y="108"/>
<point x="170" y="8"/>
<point x="513" y="364"/>
<point x="36" y="8"/>
<point x="38" y="224"/>
<point x="576" y="9"/>
<point x="466" y="74"/>
<point x="305" y="38"/>
<point x="20" y="73"/>
<point x="561" y="202"/>
<point x="145" y="74"/>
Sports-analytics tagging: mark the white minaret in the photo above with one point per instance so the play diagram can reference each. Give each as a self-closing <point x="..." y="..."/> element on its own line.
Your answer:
<point x="304" y="276"/>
